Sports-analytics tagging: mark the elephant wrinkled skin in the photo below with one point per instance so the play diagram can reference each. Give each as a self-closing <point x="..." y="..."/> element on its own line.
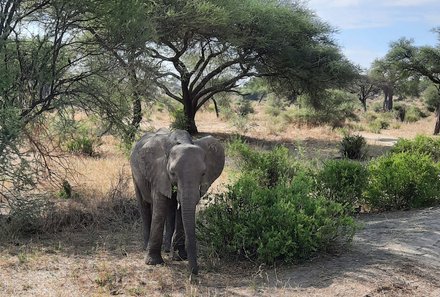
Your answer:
<point x="171" y="172"/>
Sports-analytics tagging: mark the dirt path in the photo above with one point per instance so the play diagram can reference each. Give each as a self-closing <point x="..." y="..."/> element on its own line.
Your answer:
<point x="395" y="254"/>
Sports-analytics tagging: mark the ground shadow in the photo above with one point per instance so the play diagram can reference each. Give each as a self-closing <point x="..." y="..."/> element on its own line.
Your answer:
<point x="398" y="243"/>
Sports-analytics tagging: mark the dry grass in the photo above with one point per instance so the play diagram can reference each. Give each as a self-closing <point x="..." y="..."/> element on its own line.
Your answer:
<point x="99" y="251"/>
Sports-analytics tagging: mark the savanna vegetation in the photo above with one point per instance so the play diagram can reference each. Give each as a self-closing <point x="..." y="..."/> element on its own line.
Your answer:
<point x="81" y="81"/>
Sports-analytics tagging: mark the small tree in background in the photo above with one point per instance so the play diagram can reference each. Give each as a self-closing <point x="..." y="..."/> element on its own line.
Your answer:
<point x="365" y="88"/>
<point x="423" y="61"/>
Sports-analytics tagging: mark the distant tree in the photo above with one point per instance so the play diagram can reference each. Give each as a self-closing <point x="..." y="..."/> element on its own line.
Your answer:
<point x="365" y="88"/>
<point x="424" y="61"/>
<point x="385" y="74"/>
<point x="255" y="89"/>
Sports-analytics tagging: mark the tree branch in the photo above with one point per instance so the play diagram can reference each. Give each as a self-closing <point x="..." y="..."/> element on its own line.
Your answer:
<point x="168" y="92"/>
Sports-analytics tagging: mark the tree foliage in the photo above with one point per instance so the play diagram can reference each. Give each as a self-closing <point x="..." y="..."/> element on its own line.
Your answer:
<point x="211" y="47"/>
<point x="420" y="60"/>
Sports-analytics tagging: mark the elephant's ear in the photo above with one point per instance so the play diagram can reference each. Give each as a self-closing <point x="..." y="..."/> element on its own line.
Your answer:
<point x="153" y="163"/>
<point x="215" y="160"/>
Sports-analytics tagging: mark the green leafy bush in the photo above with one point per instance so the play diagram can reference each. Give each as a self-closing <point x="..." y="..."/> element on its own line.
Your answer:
<point x="179" y="120"/>
<point x="275" y="106"/>
<point x="403" y="180"/>
<point x="272" y="213"/>
<point x="432" y="97"/>
<point x="377" y="106"/>
<point x="82" y="145"/>
<point x="413" y="114"/>
<point x="343" y="181"/>
<point x="334" y="108"/>
<point x="421" y="144"/>
<point x="77" y="136"/>
<point x="244" y="107"/>
<point x="282" y="223"/>
<point x="378" y="124"/>
<point x="353" y="147"/>
<point x="270" y="166"/>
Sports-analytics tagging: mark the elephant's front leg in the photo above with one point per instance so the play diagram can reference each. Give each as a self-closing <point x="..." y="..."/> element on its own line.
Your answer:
<point x="179" y="251"/>
<point x="170" y="223"/>
<point x="160" y="210"/>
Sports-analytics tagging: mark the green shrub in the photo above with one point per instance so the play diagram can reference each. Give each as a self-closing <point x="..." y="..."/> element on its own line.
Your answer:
<point x="343" y="181"/>
<point x="77" y="137"/>
<point x="82" y="145"/>
<point x="353" y="147"/>
<point x="378" y="124"/>
<point x="432" y="97"/>
<point x="335" y="107"/>
<point x="413" y="114"/>
<point x="272" y="212"/>
<point x="370" y="116"/>
<point x="270" y="166"/>
<point x="244" y="107"/>
<point x="421" y="144"/>
<point x="377" y="106"/>
<point x="179" y="120"/>
<point x="403" y="180"/>
<point x="267" y="225"/>
<point x="275" y="106"/>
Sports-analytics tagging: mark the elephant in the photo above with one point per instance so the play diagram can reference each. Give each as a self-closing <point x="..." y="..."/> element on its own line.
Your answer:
<point x="171" y="172"/>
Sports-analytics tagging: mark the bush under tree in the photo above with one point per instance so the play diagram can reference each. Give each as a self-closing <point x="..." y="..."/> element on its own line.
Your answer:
<point x="272" y="213"/>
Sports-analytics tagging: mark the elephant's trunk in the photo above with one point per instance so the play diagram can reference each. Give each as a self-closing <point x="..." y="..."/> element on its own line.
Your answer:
<point x="188" y="208"/>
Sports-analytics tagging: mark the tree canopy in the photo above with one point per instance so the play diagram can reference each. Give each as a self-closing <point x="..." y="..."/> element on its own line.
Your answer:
<point x="110" y="57"/>
<point x="421" y="60"/>
<point x="203" y="48"/>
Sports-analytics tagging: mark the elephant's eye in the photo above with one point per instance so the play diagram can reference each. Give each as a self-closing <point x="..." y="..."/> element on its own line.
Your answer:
<point x="204" y="173"/>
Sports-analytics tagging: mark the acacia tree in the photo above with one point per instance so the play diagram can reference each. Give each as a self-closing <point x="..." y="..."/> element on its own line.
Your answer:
<point x="364" y="87"/>
<point x="41" y="70"/>
<point x="122" y="30"/>
<point x="386" y="75"/>
<point x="423" y="60"/>
<point x="208" y="47"/>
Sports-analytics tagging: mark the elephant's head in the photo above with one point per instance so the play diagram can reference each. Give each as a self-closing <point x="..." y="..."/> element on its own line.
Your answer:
<point x="191" y="167"/>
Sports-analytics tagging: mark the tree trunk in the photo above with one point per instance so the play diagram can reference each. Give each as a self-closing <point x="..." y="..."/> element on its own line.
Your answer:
<point x="388" y="100"/>
<point x="137" y="106"/>
<point x="437" y="123"/>
<point x="137" y="116"/>
<point x="385" y="100"/>
<point x="190" y="114"/>
<point x="363" y="100"/>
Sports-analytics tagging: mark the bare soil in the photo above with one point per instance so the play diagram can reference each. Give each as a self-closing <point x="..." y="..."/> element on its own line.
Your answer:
<point x="394" y="254"/>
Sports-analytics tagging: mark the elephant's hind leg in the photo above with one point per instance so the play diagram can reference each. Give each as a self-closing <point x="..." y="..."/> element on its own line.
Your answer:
<point x="145" y="210"/>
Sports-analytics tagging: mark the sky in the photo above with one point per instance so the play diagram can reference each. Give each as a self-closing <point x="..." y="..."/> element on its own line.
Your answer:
<point x="366" y="28"/>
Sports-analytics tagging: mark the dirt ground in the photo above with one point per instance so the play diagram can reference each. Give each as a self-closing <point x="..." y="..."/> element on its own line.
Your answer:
<point x="393" y="254"/>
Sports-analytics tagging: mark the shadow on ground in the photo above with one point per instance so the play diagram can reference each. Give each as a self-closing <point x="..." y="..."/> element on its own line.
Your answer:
<point x="397" y="252"/>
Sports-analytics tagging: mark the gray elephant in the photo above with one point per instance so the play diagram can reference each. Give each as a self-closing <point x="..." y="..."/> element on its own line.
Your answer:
<point x="171" y="172"/>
